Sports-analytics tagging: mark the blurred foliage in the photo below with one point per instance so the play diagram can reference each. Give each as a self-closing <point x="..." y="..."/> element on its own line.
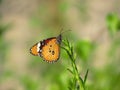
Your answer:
<point x="47" y="22"/>
<point x="3" y="44"/>
<point x="3" y="28"/>
<point x="50" y="74"/>
<point x="113" y="23"/>
<point x="29" y="83"/>
<point x="82" y="6"/>
<point x="63" y="6"/>
<point x="108" y="78"/>
<point x="0" y="1"/>
<point x="4" y="74"/>
<point x="115" y="47"/>
<point x="84" y="49"/>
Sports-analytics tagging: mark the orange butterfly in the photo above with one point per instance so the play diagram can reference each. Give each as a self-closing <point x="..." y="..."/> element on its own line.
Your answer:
<point x="48" y="49"/>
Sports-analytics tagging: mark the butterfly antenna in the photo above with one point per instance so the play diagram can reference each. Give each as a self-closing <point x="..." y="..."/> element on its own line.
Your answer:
<point x="64" y="31"/>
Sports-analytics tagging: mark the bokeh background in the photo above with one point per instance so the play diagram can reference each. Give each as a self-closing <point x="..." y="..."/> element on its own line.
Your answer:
<point x="25" y="22"/>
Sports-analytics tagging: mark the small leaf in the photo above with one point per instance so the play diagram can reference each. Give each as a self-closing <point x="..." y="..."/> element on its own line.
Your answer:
<point x="81" y="81"/>
<point x="70" y="70"/>
<point x="75" y="56"/>
<point x="64" y="42"/>
<point x="71" y="50"/>
<point x="86" y="75"/>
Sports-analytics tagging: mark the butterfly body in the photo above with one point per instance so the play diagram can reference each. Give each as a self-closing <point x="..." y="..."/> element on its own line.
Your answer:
<point x="48" y="49"/>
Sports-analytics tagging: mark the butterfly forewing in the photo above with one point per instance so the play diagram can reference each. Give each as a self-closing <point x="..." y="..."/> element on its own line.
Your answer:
<point x="33" y="50"/>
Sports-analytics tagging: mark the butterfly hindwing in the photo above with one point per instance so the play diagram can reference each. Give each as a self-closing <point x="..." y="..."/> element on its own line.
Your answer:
<point x="51" y="50"/>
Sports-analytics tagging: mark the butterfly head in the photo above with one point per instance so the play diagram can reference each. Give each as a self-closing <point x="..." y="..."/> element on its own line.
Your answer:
<point x="59" y="39"/>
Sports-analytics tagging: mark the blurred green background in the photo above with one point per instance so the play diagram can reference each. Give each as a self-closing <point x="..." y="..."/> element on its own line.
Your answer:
<point x="94" y="34"/>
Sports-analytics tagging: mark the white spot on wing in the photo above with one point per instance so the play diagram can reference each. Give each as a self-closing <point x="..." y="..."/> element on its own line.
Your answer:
<point x="38" y="47"/>
<point x="40" y="50"/>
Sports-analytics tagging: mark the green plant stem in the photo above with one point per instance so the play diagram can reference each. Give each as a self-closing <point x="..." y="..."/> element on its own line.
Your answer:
<point x="71" y="55"/>
<point x="77" y="74"/>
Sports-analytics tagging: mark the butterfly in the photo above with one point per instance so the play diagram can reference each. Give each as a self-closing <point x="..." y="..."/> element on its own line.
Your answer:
<point x="48" y="49"/>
